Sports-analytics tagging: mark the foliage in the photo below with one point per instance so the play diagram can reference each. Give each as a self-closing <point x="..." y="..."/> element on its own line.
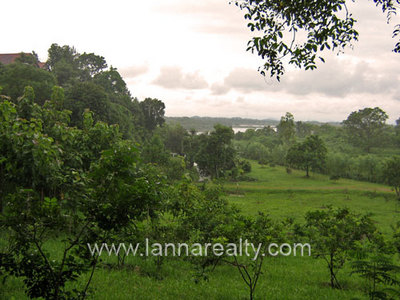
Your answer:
<point x="327" y="25"/>
<point x="391" y="174"/>
<point x="154" y="151"/>
<point x="28" y="58"/>
<point x="85" y="184"/>
<point x="15" y="77"/>
<point x="334" y="233"/>
<point x="153" y="113"/>
<point x="87" y="95"/>
<point x="30" y="222"/>
<point x="379" y="272"/>
<point x="311" y="154"/>
<point x="286" y="129"/>
<point x="365" y="128"/>
<point x="216" y="153"/>
<point x="261" y="231"/>
<point x="174" y="138"/>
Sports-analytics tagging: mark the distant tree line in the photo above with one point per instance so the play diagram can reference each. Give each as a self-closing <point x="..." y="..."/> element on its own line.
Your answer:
<point x="359" y="148"/>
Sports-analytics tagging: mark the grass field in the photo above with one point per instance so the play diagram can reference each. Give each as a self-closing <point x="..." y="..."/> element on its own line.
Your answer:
<point x="292" y="195"/>
<point x="277" y="193"/>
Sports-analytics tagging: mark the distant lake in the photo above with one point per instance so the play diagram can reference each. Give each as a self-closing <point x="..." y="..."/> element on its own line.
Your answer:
<point x="243" y="129"/>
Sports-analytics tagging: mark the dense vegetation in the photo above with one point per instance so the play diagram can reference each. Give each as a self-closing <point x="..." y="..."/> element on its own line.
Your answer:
<point x="84" y="162"/>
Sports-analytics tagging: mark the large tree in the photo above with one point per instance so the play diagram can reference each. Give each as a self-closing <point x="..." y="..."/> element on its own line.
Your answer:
<point x="70" y="66"/>
<point x="87" y="95"/>
<point x="287" y="129"/>
<point x="365" y="128"/>
<point x="309" y="155"/>
<point x="15" y="77"/>
<point x="298" y="31"/>
<point x="216" y="153"/>
<point x="153" y="113"/>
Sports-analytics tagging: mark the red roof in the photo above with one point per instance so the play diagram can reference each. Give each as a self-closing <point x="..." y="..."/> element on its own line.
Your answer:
<point x="9" y="58"/>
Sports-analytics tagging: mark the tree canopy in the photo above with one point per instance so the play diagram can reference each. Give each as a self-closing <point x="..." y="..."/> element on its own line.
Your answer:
<point x="311" y="154"/>
<point x="365" y="127"/>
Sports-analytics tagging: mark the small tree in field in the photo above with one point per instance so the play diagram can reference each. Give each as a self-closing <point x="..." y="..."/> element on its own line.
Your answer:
<point x="311" y="154"/>
<point x="334" y="233"/>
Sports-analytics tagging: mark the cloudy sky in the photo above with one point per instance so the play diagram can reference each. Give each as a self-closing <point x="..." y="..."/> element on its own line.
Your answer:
<point x="192" y="55"/>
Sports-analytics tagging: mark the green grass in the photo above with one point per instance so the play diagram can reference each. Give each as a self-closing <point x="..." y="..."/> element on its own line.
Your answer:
<point x="281" y="195"/>
<point x="291" y="195"/>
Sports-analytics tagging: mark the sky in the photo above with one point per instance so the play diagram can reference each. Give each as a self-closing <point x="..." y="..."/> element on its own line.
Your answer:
<point x="192" y="55"/>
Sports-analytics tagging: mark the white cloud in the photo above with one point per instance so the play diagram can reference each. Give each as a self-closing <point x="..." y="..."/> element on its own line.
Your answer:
<point x="133" y="71"/>
<point x="174" y="78"/>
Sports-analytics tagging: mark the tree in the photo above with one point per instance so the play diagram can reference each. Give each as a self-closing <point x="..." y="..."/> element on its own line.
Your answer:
<point x="391" y="174"/>
<point x="153" y="113"/>
<point x="15" y="77"/>
<point x="62" y="62"/>
<point x="88" y="95"/>
<point x="303" y="129"/>
<point x="154" y="151"/>
<point x="28" y="58"/>
<point x="333" y="233"/>
<point x="174" y="138"/>
<point x="286" y="129"/>
<point x="327" y="25"/>
<point x="86" y="184"/>
<point x="311" y="154"/>
<point x="365" y="127"/>
<point x="69" y="66"/>
<point x="112" y="82"/>
<point x="216" y="153"/>
<point x="91" y="64"/>
<point x="379" y="272"/>
<point x="397" y="130"/>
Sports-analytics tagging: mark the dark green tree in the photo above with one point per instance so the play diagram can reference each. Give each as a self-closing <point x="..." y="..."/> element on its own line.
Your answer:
<point x="365" y="127"/>
<point x="15" y="77"/>
<point x="88" y="95"/>
<point x="216" y="153"/>
<point x="112" y="82"/>
<point x="62" y="62"/>
<point x="287" y="129"/>
<point x="174" y="136"/>
<point x="309" y="155"/>
<point x="28" y="58"/>
<point x="153" y="111"/>
<point x="91" y="64"/>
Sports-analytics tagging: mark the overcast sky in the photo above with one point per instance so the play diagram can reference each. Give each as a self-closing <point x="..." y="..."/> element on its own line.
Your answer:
<point x="192" y="55"/>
